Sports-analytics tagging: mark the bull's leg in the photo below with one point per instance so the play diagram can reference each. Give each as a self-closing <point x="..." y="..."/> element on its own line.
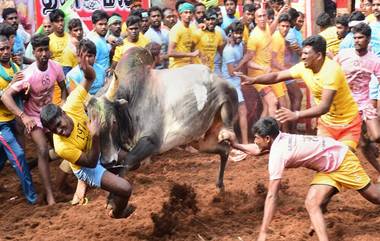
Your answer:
<point x="144" y="148"/>
<point x="228" y="116"/>
<point x="211" y="144"/>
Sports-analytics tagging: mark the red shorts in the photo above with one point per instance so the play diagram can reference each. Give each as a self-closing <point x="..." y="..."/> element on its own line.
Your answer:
<point x="348" y="134"/>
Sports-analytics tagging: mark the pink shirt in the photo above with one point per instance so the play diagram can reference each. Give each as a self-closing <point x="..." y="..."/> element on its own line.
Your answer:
<point x="322" y="154"/>
<point x="358" y="71"/>
<point x="41" y="87"/>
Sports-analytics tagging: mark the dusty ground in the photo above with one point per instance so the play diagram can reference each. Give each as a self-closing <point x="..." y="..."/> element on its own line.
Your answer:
<point x="235" y="215"/>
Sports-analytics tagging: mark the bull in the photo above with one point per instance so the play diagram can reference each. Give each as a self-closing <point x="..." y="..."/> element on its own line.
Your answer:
<point x="146" y="111"/>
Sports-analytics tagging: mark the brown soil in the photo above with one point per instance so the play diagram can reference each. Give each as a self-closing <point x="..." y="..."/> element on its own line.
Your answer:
<point x="176" y="199"/>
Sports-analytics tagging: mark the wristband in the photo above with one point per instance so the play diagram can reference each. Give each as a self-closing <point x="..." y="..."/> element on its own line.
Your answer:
<point x="297" y="114"/>
<point x="21" y="114"/>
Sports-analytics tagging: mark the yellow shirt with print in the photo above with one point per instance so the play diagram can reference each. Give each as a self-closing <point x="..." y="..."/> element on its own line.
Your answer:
<point x="183" y="37"/>
<point x="120" y="50"/>
<point x="260" y="41"/>
<point x="207" y="43"/>
<point x="71" y="148"/>
<point x="332" y="40"/>
<point x="278" y="46"/>
<point x="5" y="114"/>
<point x="331" y="76"/>
<point x="56" y="47"/>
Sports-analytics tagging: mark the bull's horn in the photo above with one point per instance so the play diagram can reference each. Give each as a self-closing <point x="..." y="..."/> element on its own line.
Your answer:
<point x="112" y="88"/>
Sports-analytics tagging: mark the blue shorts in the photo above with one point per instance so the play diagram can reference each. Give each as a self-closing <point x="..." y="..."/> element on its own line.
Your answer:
<point x="374" y="88"/>
<point x="92" y="176"/>
<point x="240" y="94"/>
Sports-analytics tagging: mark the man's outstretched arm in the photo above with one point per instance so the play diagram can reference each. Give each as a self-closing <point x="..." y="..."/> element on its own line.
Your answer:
<point x="270" y="207"/>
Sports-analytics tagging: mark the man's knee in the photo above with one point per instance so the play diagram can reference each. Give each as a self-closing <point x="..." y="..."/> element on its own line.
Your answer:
<point x="43" y="151"/>
<point x="242" y="110"/>
<point x="311" y="203"/>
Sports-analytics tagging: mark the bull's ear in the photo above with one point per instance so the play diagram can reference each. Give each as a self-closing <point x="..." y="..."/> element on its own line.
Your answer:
<point x="121" y="102"/>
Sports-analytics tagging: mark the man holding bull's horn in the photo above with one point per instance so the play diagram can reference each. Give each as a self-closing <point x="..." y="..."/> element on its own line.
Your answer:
<point x="76" y="139"/>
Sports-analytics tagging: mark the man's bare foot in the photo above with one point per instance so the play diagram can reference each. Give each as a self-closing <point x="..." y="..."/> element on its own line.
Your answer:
<point x="124" y="214"/>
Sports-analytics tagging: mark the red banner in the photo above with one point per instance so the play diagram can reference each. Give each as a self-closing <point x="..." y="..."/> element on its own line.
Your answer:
<point x="85" y="8"/>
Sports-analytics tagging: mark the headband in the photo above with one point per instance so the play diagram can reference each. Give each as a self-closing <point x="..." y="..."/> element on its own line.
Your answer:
<point x="355" y="22"/>
<point x="113" y="19"/>
<point x="185" y="6"/>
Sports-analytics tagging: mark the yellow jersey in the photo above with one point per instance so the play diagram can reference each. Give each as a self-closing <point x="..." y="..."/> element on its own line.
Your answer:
<point x="183" y="38"/>
<point x="71" y="148"/>
<point x="278" y="46"/>
<point x="5" y="114"/>
<point x="260" y="41"/>
<point x="371" y="18"/>
<point x="120" y="50"/>
<point x="56" y="47"/>
<point x="332" y="40"/>
<point x="331" y="76"/>
<point x="207" y="43"/>
<point x="245" y="34"/>
<point x="69" y="57"/>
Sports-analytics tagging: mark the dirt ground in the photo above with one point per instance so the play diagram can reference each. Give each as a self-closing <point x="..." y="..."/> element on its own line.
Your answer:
<point x="206" y="215"/>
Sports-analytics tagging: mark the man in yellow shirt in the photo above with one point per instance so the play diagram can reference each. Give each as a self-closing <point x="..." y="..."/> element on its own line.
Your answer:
<point x="329" y="33"/>
<point x="247" y="20"/>
<point x="76" y="139"/>
<point x="280" y="50"/>
<point x="69" y="55"/>
<point x="209" y="41"/>
<point x="181" y="39"/>
<point x="58" y="42"/>
<point x="338" y="111"/>
<point x="366" y="9"/>
<point x="260" y="49"/>
<point x="133" y="39"/>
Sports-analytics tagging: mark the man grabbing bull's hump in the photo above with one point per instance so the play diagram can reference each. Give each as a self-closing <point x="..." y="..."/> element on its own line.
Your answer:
<point x="76" y="139"/>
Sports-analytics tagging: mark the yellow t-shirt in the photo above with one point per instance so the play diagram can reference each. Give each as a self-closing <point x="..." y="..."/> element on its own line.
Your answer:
<point x="278" y="46"/>
<point x="261" y="42"/>
<point x="71" y="148"/>
<point x="207" y="43"/>
<point x="331" y="76"/>
<point x="69" y="57"/>
<point x="120" y="50"/>
<point x="371" y="18"/>
<point x="56" y="47"/>
<point x="183" y="37"/>
<point x="332" y="40"/>
<point x="5" y="114"/>
<point x="245" y="34"/>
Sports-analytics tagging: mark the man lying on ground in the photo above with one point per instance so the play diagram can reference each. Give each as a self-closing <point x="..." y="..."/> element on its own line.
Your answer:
<point x="77" y="140"/>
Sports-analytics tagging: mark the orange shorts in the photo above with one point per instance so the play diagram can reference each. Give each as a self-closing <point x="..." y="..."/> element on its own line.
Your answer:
<point x="279" y="89"/>
<point x="348" y="134"/>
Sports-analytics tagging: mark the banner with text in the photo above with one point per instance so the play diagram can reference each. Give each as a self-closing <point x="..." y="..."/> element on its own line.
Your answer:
<point x="85" y="8"/>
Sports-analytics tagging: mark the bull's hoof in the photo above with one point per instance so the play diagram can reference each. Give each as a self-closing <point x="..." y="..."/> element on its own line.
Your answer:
<point x="220" y="187"/>
<point x="225" y="134"/>
<point x="132" y="166"/>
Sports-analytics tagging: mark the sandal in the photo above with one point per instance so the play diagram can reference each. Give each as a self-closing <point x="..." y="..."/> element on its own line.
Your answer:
<point x="79" y="201"/>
